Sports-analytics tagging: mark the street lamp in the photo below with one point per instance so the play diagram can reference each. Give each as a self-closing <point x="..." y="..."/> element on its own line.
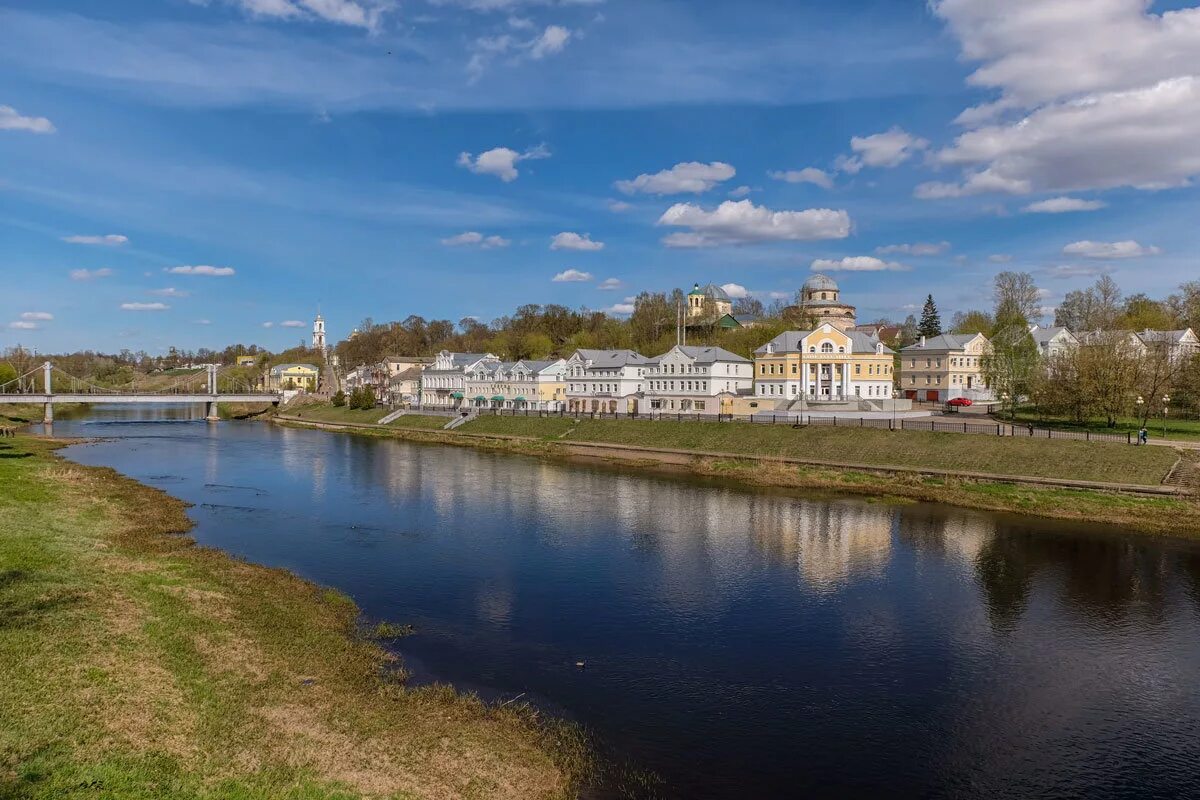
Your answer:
<point x="1004" y="402"/>
<point x="1166" y="400"/>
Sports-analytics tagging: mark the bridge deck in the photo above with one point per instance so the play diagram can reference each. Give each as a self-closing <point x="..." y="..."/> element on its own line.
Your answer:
<point x="140" y="398"/>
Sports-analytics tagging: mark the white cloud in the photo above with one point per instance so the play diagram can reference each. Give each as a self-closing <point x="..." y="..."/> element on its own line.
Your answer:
<point x="610" y="284"/>
<point x="1063" y="205"/>
<point x="740" y="191"/>
<point x="476" y="239"/>
<point x="736" y="222"/>
<point x="37" y="316"/>
<point x="1000" y="258"/>
<point x="982" y="182"/>
<point x="108" y="240"/>
<point x="202" y="269"/>
<point x="618" y="206"/>
<point x="884" y="150"/>
<point x="11" y="120"/>
<point x="144" y="306"/>
<point x="915" y="249"/>
<point x="500" y="161"/>
<point x="686" y="177"/>
<point x="204" y="322"/>
<point x="735" y="290"/>
<point x="1092" y="94"/>
<point x="621" y="309"/>
<point x="572" y="276"/>
<point x="1076" y="271"/>
<point x="170" y="291"/>
<point x="856" y="264"/>
<point x="568" y="240"/>
<point x="22" y="325"/>
<point x="552" y="40"/>
<point x="90" y="274"/>
<point x="817" y="177"/>
<point x="291" y="323"/>
<point x="353" y="13"/>
<point x="268" y="324"/>
<point x="1109" y="250"/>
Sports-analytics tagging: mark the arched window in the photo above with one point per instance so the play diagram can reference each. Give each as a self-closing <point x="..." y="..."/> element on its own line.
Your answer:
<point x="827" y="347"/>
<point x="841" y="349"/>
<point x="812" y="349"/>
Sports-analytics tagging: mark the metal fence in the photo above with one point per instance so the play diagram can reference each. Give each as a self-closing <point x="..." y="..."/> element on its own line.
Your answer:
<point x="934" y="425"/>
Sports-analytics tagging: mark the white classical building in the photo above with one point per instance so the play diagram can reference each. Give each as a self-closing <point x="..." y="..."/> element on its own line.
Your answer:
<point x="826" y="364"/>
<point x="693" y="380"/>
<point x="516" y="385"/>
<point x="1054" y="341"/>
<point x="605" y="380"/>
<point x="444" y="384"/>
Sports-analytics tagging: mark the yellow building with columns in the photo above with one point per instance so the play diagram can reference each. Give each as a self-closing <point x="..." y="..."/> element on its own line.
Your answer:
<point x="825" y="364"/>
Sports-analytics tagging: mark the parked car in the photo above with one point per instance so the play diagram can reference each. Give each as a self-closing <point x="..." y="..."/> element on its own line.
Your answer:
<point x="959" y="401"/>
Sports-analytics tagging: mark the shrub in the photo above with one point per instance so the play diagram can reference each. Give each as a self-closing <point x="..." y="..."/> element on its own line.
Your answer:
<point x="339" y="399"/>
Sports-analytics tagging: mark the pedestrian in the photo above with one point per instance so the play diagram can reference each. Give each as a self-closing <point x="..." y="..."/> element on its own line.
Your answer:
<point x="1144" y="435"/>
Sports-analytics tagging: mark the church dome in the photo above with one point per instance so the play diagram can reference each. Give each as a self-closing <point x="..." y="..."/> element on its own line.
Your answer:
<point x="820" y="283"/>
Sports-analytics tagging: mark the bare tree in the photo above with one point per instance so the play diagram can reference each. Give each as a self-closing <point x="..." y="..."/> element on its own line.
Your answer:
<point x="1016" y="297"/>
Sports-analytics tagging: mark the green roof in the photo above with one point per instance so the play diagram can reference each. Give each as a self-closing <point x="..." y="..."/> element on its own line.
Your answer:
<point x="520" y="399"/>
<point x="480" y="397"/>
<point x="499" y="397"/>
<point x="456" y="395"/>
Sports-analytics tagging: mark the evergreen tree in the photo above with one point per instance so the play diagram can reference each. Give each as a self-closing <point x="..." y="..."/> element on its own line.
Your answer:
<point x="931" y="321"/>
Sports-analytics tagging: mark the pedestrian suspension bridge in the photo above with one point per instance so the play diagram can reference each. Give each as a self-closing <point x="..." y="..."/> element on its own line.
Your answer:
<point x="48" y="384"/>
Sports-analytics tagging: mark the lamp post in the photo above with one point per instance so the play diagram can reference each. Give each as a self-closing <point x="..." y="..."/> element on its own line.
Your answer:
<point x="1140" y="402"/>
<point x="1003" y="403"/>
<point x="1166" y="400"/>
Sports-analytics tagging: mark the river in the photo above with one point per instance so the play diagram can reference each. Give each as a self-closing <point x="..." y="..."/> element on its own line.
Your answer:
<point x="738" y="643"/>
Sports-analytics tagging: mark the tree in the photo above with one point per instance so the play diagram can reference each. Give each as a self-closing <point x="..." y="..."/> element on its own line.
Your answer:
<point x="339" y="398"/>
<point x="931" y="321"/>
<point x="908" y="331"/>
<point x="1141" y="313"/>
<point x="971" y="322"/>
<point x="1011" y="362"/>
<point x="748" y="305"/>
<point x="1016" y="297"/>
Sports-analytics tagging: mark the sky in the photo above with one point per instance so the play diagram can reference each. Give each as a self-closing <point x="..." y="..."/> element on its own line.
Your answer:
<point x="202" y="172"/>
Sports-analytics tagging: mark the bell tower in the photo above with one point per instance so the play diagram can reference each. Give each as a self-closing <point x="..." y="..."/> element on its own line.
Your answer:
<point x="318" y="340"/>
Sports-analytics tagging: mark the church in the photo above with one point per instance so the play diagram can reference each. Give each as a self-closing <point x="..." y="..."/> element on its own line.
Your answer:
<point x="821" y="302"/>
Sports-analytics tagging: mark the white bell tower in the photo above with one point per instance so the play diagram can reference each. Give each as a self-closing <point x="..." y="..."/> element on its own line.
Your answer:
<point x="318" y="340"/>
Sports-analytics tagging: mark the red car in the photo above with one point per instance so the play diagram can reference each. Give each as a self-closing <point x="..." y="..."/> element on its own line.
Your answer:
<point x="959" y="401"/>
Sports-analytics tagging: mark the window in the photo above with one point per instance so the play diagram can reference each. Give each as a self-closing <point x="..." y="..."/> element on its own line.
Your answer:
<point x="812" y="349"/>
<point x="826" y="347"/>
<point x="858" y="369"/>
<point x="793" y="369"/>
<point x="699" y="405"/>
<point x="841" y="349"/>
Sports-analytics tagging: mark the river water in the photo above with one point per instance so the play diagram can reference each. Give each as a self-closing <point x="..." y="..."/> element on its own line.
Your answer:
<point x="738" y="644"/>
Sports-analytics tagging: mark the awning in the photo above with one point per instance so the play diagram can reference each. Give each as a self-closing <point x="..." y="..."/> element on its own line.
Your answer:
<point x="456" y="395"/>
<point x="499" y="398"/>
<point x="480" y="398"/>
<point x="520" y="400"/>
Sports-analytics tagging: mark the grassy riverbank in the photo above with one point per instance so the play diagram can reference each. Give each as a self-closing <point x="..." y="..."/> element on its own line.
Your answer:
<point x="1186" y="430"/>
<point x="138" y="665"/>
<point x="328" y="413"/>
<point x="1089" y="461"/>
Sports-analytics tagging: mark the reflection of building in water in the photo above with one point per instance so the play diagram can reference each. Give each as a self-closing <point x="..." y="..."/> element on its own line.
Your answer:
<point x="947" y="532"/>
<point x="828" y="542"/>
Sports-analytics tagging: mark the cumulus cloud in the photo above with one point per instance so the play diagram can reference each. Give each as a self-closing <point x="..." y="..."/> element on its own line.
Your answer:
<point x="170" y="291"/>
<point x="740" y="191"/>
<point x="37" y="316"/>
<point x="915" y="249"/>
<point x="738" y="222"/>
<point x="23" y="325"/>
<point x="485" y="49"/>
<point x="144" y="306"/>
<point x="476" y="239"/>
<point x="817" y="177"/>
<point x="1109" y="250"/>
<point x="500" y="161"/>
<point x="884" y="150"/>
<point x="90" y="274"/>
<point x="291" y="323"/>
<point x="622" y="309"/>
<point x="856" y="264"/>
<point x="689" y="177"/>
<point x="572" y="276"/>
<point x="735" y="290"/>
<point x="568" y="240"/>
<point x="610" y="284"/>
<point x="618" y="206"/>
<point x="107" y="240"/>
<point x="1091" y="95"/>
<point x="202" y="269"/>
<point x="1063" y="205"/>
<point x="12" y="120"/>
<point x="552" y="40"/>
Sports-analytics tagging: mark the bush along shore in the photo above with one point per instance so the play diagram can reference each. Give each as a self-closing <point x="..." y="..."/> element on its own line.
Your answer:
<point x="1139" y="488"/>
<point x="139" y="665"/>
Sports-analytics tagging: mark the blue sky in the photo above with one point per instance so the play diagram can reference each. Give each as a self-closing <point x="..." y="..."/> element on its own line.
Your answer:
<point x="386" y="158"/>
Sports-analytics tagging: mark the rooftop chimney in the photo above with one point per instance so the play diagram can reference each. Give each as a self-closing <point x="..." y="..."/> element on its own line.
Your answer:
<point x="922" y="340"/>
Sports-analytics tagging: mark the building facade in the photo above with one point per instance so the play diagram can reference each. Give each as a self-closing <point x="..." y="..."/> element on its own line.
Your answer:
<point x="525" y="385"/>
<point x="303" y="377"/>
<point x="826" y="364"/>
<point x="694" y="380"/>
<point x="604" y="380"/>
<point x="821" y="302"/>
<point x="318" y="334"/>
<point x="1052" y="342"/>
<point x="941" y="368"/>
<point x="444" y="383"/>
<point x="708" y="302"/>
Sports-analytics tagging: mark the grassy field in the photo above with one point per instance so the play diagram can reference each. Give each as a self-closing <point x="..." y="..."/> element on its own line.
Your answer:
<point x="136" y="665"/>
<point x="1182" y="429"/>
<point x="329" y="413"/>
<point x="1117" y="463"/>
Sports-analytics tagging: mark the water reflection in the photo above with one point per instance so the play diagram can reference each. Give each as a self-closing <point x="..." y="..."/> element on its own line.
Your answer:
<point x="742" y="644"/>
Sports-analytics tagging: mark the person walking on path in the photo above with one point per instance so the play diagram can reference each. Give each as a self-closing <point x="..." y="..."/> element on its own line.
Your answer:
<point x="1143" y="436"/>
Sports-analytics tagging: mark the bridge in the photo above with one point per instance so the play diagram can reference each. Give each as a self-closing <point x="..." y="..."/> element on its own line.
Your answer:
<point x="23" y="389"/>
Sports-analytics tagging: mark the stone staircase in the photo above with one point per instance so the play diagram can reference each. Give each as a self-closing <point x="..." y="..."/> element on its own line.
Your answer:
<point x="454" y="423"/>
<point x="1186" y="473"/>
<point x="395" y="415"/>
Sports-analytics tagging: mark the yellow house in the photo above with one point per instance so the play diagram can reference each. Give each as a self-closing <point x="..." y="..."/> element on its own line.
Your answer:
<point x="246" y="361"/>
<point x="824" y="364"/>
<point x="293" y="376"/>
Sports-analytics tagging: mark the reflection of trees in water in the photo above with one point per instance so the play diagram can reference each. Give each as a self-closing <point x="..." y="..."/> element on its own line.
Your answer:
<point x="1188" y="566"/>
<point x="1005" y="574"/>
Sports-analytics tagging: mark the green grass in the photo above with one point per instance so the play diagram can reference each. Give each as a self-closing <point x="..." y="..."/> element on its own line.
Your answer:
<point x="371" y="416"/>
<point x="136" y="665"/>
<point x="1183" y="429"/>
<point x="1091" y="461"/>
<point x="418" y="421"/>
